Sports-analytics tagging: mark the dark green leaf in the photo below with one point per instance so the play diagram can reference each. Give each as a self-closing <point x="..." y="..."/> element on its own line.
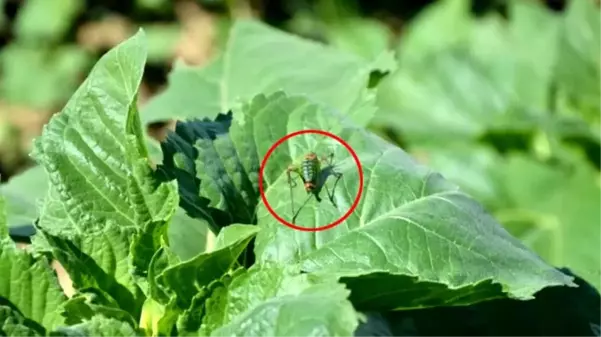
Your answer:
<point x="97" y="326"/>
<point x="185" y="279"/>
<point x="12" y="323"/>
<point x="276" y="301"/>
<point x="253" y="63"/>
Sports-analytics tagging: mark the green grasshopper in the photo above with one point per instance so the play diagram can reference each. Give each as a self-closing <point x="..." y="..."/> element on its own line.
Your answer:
<point x="314" y="174"/>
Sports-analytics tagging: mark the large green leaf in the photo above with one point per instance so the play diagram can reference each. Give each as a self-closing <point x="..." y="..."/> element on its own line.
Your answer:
<point x="29" y="289"/>
<point x="24" y="191"/>
<point x="259" y="59"/>
<point x="553" y="209"/>
<point x="419" y="231"/>
<point x="103" y="170"/>
<point x="276" y="301"/>
<point x="494" y="76"/>
<point x="474" y="168"/>
<point x="102" y="194"/>
<point x="413" y="232"/>
<point x="558" y="214"/>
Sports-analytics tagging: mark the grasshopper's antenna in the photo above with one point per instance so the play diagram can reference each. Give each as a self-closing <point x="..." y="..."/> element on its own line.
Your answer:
<point x="289" y="170"/>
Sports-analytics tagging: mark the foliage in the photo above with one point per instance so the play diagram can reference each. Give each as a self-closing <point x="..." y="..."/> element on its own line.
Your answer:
<point x="521" y="76"/>
<point x="417" y="248"/>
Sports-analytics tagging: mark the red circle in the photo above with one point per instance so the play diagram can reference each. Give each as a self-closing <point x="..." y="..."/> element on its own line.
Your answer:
<point x="323" y="133"/>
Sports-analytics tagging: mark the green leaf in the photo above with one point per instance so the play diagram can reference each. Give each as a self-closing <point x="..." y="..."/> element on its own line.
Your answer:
<point x="143" y="249"/>
<point x="100" y="261"/>
<point x="364" y="37"/>
<point x="438" y="26"/>
<point x="420" y="232"/>
<point x="57" y="72"/>
<point x="552" y="209"/>
<point x="158" y="319"/>
<point x="423" y="234"/>
<point x="22" y="193"/>
<point x="3" y="222"/>
<point x="556" y="311"/>
<point x="12" y="323"/>
<point x="162" y="41"/>
<point x="28" y="286"/>
<point x="186" y="278"/>
<point x="84" y="307"/>
<point x="189" y="157"/>
<point x="98" y="326"/>
<point x="579" y="61"/>
<point x="474" y="168"/>
<point x="187" y="236"/>
<point x="95" y="154"/>
<point x="260" y="59"/>
<point x="102" y="194"/>
<point x="45" y="21"/>
<point x="216" y="163"/>
<point x="275" y="301"/>
<point x="233" y="233"/>
<point x="558" y="215"/>
<point x="507" y="66"/>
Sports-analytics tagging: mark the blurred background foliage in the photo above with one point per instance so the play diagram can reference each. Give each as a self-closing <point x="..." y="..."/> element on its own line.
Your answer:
<point x="500" y="96"/>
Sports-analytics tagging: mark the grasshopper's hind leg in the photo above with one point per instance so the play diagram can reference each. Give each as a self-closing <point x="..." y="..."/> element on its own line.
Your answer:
<point x="300" y="208"/>
<point x="338" y="175"/>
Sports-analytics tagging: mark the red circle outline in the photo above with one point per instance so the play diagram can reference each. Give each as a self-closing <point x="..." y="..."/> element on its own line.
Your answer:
<point x="323" y="133"/>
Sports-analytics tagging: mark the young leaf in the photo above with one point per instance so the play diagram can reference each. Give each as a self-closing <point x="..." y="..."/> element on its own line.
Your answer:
<point x="84" y="307"/>
<point x="37" y="296"/>
<point x="98" y="326"/>
<point x="185" y="279"/>
<point x="100" y="261"/>
<point x="189" y="157"/>
<point x="102" y="194"/>
<point x="95" y="154"/>
<point x="260" y="59"/>
<point x="276" y="301"/>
